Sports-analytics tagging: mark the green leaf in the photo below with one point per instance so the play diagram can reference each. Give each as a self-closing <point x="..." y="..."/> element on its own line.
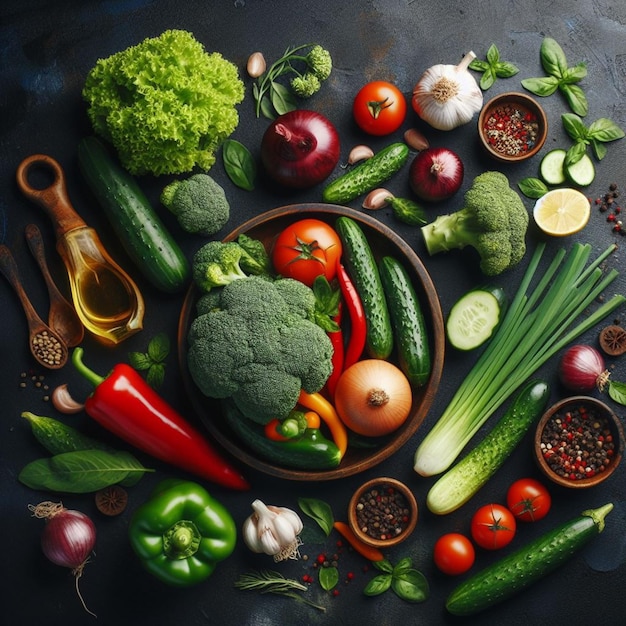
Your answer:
<point x="544" y="86"/>
<point x="574" y="126"/>
<point x="575" y="74"/>
<point x="553" y="58"/>
<point x="487" y="79"/>
<point x="318" y="510"/>
<point x="411" y="586"/>
<point x="599" y="149"/>
<point x="617" y="392"/>
<point x="267" y="109"/>
<point x="605" y="130"/>
<point x="239" y="164"/>
<point x="402" y="565"/>
<point x="576" y="98"/>
<point x="328" y="577"/>
<point x="383" y="566"/>
<point x="493" y="55"/>
<point x="139" y="360"/>
<point x="379" y="584"/>
<point x="282" y="98"/>
<point x="159" y="348"/>
<point x="478" y="65"/>
<point x="532" y="187"/>
<point x="575" y="153"/>
<point x="506" y="70"/>
<point x="156" y="375"/>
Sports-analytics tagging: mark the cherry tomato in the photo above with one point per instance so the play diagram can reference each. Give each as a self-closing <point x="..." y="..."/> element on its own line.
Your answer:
<point x="307" y="249"/>
<point x="528" y="500"/>
<point x="454" y="554"/>
<point x="379" y="108"/>
<point x="493" y="526"/>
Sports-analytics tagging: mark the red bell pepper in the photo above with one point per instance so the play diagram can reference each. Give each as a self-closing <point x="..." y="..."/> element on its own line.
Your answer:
<point x="126" y="405"/>
<point x="358" y="325"/>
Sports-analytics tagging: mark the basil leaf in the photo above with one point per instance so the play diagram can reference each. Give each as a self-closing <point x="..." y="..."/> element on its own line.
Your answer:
<point x="574" y="126"/>
<point x="617" y="392"/>
<point x="487" y="79"/>
<point x="411" y="586"/>
<point x="604" y="130"/>
<point x="575" y="74"/>
<point x="506" y="70"/>
<point x="159" y="348"/>
<point x="239" y="164"/>
<point x="576" y="99"/>
<point x="553" y="58"/>
<point x="156" y="375"/>
<point x="544" y="86"/>
<point x="282" y="98"/>
<point x="267" y="109"/>
<point x="599" y="149"/>
<point x="402" y="565"/>
<point x="383" y="566"/>
<point x="139" y="360"/>
<point x="379" y="584"/>
<point x="532" y="187"/>
<point x="493" y="54"/>
<point x="318" y="510"/>
<point x="328" y="577"/>
<point x="575" y="153"/>
<point x="478" y="65"/>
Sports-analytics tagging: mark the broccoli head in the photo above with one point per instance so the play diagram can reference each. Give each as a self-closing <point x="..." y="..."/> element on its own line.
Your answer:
<point x="165" y="104"/>
<point x="494" y="221"/>
<point x="199" y="204"/>
<point x="259" y="348"/>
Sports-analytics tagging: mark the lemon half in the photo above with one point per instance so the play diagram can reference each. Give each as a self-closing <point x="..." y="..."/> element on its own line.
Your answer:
<point x="562" y="212"/>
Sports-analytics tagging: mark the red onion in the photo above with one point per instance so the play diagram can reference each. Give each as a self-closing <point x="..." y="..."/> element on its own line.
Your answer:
<point x="68" y="538"/>
<point x="582" y="369"/>
<point x="436" y="174"/>
<point x="300" y="149"/>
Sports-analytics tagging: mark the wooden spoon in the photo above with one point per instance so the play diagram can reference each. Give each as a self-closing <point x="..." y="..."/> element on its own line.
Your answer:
<point x="46" y="346"/>
<point x="62" y="316"/>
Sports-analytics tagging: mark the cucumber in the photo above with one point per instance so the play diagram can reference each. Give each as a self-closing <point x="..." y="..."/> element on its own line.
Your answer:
<point x="407" y="321"/>
<point x="582" y="172"/>
<point x="140" y="230"/>
<point x="462" y="481"/>
<point x="361" y="265"/>
<point x="526" y="565"/>
<point x="367" y="175"/>
<point x="474" y="317"/>
<point x="551" y="167"/>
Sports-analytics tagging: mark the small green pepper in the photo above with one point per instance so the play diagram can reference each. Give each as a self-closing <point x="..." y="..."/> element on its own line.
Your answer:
<point x="181" y="533"/>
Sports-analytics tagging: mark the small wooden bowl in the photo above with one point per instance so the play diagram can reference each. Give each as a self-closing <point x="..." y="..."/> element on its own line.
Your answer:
<point x="495" y="138"/>
<point x="600" y="411"/>
<point x="381" y="488"/>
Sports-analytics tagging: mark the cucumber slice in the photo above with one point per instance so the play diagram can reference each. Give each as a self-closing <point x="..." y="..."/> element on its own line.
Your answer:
<point x="551" y="167"/>
<point x="582" y="172"/>
<point x="473" y="318"/>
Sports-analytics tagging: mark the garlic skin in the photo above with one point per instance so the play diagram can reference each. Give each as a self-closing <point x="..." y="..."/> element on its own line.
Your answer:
<point x="256" y="65"/>
<point x="447" y="96"/>
<point x="63" y="401"/>
<point x="273" y="530"/>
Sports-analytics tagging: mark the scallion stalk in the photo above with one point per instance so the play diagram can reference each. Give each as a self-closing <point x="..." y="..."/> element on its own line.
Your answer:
<point x="541" y="320"/>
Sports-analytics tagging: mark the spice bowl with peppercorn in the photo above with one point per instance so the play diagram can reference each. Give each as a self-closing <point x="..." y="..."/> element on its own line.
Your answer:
<point x="382" y="512"/>
<point x="579" y="442"/>
<point x="512" y="127"/>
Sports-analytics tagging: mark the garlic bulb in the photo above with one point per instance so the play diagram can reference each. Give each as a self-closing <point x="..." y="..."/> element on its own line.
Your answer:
<point x="447" y="96"/>
<point x="273" y="530"/>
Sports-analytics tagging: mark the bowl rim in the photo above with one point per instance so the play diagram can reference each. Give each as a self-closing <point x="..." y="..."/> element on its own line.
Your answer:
<point x="411" y="501"/>
<point x="525" y="100"/>
<point x="615" y="423"/>
<point x="428" y="392"/>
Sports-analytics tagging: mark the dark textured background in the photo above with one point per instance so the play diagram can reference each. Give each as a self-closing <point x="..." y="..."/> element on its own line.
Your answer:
<point x="46" y="50"/>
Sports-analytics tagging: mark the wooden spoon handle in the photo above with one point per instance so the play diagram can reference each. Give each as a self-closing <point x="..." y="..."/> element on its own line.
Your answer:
<point x="36" y="245"/>
<point x="53" y="198"/>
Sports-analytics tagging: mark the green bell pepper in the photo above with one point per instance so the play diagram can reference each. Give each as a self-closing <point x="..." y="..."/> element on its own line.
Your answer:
<point x="181" y="533"/>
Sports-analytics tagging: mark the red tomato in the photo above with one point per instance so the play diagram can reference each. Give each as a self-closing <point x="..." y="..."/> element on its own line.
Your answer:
<point x="307" y="249"/>
<point x="454" y="554"/>
<point x="528" y="500"/>
<point x="493" y="526"/>
<point x="379" y="108"/>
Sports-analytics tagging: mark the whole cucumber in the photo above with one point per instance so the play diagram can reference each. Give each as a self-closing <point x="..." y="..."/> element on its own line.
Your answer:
<point x="360" y="264"/>
<point x="463" y="480"/>
<point x="367" y="175"/>
<point x="407" y="321"/>
<point x="141" y="232"/>
<point x="528" y="564"/>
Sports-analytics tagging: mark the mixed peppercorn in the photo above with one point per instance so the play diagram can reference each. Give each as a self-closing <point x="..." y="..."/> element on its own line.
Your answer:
<point x="609" y="204"/>
<point x="382" y="512"/>
<point x="511" y="130"/>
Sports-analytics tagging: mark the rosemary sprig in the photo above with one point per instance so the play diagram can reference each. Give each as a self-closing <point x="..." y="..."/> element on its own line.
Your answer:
<point x="266" y="581"/>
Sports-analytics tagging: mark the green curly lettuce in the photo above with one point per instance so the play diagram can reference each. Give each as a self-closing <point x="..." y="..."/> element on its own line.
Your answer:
<point x="165" y="104"/>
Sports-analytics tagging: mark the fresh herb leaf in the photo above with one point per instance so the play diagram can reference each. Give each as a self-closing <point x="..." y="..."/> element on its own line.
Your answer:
<point x="605" y="130"/>
<point x="239" y="164"/>
<point x="153" y="360"/>
<point x="402" y="566"/>
<point x="282" y="99"/>
<point x="553" y="58"/>
<point x="532" y="187"/>
<point x="493" y="68"/>
<point x="617" y="392"/>
<point x="328" y="577"/>
<point x="318" y="510"/>
<point x="410" y="585"/>
<point x="327" y="302"/>
<point x="543" y="87"/>
<point x="377" y="585"/>
<point x="159" y="348"/>
<point x="383" y="566"/>
<point x="599" y="132"/>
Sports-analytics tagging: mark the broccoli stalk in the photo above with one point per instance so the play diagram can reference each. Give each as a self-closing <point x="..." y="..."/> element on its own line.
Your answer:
<point x="494" y="221"/>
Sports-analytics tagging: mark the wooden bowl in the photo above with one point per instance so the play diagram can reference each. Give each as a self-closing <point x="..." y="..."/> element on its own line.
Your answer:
<point x="598" y="413"/>
<point x="495" y="131"/>
<point x="367" y="498"/>
<point x="383" y="241"/>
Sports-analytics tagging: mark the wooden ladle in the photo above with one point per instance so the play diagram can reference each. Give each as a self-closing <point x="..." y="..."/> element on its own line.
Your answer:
<point x="46" y="346"/>
<point x="62" y="316"/>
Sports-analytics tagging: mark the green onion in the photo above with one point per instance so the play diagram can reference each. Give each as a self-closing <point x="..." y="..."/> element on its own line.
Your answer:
<point x="541" y="321"/>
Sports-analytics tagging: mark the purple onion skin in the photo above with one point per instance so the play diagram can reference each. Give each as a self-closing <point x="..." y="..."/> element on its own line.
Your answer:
<point x="68" y="539"/>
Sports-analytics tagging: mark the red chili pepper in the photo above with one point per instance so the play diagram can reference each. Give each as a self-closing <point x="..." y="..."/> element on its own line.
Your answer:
<point x="358" y="327"/>
<point x="336" y="339"/>
<point x="126" y="405"/>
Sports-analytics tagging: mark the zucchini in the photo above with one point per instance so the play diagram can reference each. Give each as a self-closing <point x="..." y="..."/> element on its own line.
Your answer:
<point x="361" y="265"/>
<point x="140" y="230"/>
<point x="551" y="167"/>
<point x="407" y="321"/>
<point x="463" y="480"/>
<point x="367" y="175"/>
<point x="582" y="172"/>
<point x="526" y="565"/>
<point x="474" y="317"/>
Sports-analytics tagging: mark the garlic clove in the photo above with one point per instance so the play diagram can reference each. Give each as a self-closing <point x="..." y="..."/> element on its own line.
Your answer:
<point x="360" y="153"/>
<point x="377" y="199"/>
<point x="414" y="139"/>
<point x="63" y="401"/>
<point x="256" y="65"/>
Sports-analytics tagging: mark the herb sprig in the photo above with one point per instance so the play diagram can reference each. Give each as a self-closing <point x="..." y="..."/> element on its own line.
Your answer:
<point x="153" y="360"/>
<point x="492" y="68"/>
<point x="595" y="135"/>
<point x="405" y="581"/>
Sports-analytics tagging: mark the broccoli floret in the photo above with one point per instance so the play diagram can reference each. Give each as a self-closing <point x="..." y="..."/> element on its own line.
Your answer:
<point x="165" y="104"/>
<point x="258" y="348"/>
<point x="216" y="264"/>
<point x="494" y="221"/>
<point x="320" y="62"/>
<point x="199" y="204"/>
<point x="306" y="85"/>
<point x="254" y="259"/>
